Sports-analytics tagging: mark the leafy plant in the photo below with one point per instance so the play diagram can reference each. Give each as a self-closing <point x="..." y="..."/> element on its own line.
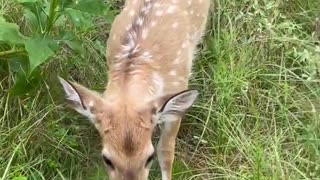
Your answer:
<point x="47" y="21"/>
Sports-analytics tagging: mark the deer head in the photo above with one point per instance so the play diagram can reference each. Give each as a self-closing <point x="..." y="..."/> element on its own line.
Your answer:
<point x="126" y="126"/>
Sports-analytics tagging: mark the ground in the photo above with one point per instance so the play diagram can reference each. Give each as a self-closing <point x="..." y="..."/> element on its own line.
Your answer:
<point x="257" y="117"/>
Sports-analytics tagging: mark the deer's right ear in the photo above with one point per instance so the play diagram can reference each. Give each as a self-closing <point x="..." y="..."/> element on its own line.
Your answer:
<point x="81" y="99"/>
<point x="169" y="107"/>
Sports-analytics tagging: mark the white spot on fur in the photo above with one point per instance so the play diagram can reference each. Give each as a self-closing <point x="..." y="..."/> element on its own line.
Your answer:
<point x="146" y="56"/>
<point x="176" y="61"/>
<point x="175" y="25"/>
<point x="131" y="13"/>
<point x="147" y="53"/>
<point x="153" y="23"/>
<point x="144" y="33"/>
<point x="140" y="21"/>
<point x="184" y="45"/>
<point x="136" y="71"/>
<point x="91" y="104"/>
<point x="128" y="27"/>
<point x="158" y="84"/>
<point x="128" y="46"/>
<point x="171" y="9"/>
<point x="136" y="49"/>
<point x="159" y="13"/>
<point x="172" y="73"/>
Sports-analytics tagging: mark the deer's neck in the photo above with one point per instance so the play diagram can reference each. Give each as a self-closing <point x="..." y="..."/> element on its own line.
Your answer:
<point x="139" y="84"/>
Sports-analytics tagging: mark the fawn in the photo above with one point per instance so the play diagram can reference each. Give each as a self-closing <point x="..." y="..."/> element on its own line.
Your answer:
<point x="150" y="52"/>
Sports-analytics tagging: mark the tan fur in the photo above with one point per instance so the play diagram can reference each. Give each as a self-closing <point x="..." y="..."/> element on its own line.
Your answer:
<point x="163" y="42"/>
<point x="150" y="53"/>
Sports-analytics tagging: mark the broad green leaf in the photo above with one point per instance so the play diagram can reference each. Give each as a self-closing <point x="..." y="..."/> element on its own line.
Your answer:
<point x="37" y="7"/>
<point x="31" y="19"/>
<point x="9" y="32"/>
<point x="54" y="45"/>
<point x="25" y="84"/>
<point x="73" y="42"/>
<point x="61" y="21"/>
<point x="19" y="65"/>
<point x="80" y="19"/>
<point x="89" y="6"/>
<point x="68" y="35"/>
<point x="66" y="3"/>
<point x="38" y="50"/>
<point x="31" y="5"/>
<point x="76" y="46"/>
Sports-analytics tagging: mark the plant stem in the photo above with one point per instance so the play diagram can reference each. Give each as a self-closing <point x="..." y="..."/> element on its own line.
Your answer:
<point x="51" y="16"/>
<point x="11" y="52"/>
<point x="39" y="19"/>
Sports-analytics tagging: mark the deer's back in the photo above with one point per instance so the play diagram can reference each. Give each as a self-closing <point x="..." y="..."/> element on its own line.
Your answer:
<point x="155" y="39"/>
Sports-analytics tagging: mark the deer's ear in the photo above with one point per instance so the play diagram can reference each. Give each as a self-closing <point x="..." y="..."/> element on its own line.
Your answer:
<point x="81" y="99"/>
<point x="172" y="106"/>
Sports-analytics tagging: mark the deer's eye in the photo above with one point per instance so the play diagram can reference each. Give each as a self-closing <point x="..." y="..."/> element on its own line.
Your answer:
<point x="107" y="161"/>
<point x="149" y="160"/>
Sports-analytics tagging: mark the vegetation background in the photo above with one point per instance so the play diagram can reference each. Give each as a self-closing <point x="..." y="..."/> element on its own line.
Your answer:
<point x="258" y="115"/>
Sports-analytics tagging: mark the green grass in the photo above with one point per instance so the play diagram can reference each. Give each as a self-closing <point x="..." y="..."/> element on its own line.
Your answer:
<point x="258" y="115"/>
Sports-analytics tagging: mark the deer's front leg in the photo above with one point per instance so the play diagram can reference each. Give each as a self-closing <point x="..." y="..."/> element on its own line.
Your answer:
<point x="166" y="147"/>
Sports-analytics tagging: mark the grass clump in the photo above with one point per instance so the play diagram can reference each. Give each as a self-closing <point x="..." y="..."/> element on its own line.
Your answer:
<point x="257" y="116"/>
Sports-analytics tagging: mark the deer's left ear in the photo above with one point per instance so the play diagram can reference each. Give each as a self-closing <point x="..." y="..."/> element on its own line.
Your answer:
<point x="81" y="99"/>
<point x="171" y="107"/>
